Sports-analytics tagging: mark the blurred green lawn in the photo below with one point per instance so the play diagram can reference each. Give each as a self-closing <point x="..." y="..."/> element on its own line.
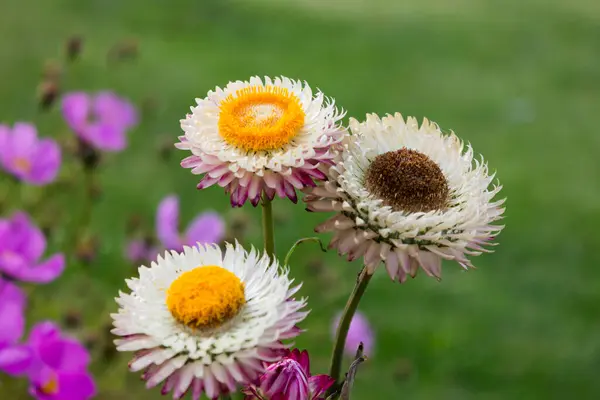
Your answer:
<point x="520" y="80"/>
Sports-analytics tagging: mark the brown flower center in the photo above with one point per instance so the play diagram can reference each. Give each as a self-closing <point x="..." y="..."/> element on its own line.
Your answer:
<point x="407" y="180"/>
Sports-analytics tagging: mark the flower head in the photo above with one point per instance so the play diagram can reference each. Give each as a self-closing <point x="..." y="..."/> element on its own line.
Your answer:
<point x="205" y="321"/>
<point x="59" y="369"/>
<point x="409" y="196"/>
<point x="101" y="120"/>
<point x="22" y="244"/>
<point x="359" y="332"/>
<point x="30" y="159"/>
<point x="258" y="137"/>
<point x="14" y="358"/>
<point x="289" y="379"/>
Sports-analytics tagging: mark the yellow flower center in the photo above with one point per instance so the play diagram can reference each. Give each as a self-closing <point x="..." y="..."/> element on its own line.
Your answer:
<point x="260" y="118"/>
<point x="50" y="387"/>
<point x="22" y="164"/>
<point x="205" y="297"/>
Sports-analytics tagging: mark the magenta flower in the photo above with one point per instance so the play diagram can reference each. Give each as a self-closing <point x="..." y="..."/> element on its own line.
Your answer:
<point x="15" y="359"/>
<point x="207" y="227"/>
<point x="139" y="251"/>
<point x="29" y="159"/>
<point x="289" y="379"/>
<point x="360" y="331"/>
<point x="101" y="120"/>
<point x="22" y="244"/>
<point x="59" y="368"/>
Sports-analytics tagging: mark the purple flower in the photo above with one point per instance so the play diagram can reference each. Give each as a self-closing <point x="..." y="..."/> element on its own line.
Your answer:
<point x="289" y="379"/>
<point x="101" y="120"/>
<point x="14" y="358"/>
<point x="360" y="331"/>
<point x="207" y="227"/>
<point x="22" y="154"/>
<point x="59" y="368"/>
<point x="22" y="244"/>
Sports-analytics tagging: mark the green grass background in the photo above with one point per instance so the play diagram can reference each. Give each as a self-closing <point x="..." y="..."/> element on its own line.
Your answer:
<point x="519" y="80"/>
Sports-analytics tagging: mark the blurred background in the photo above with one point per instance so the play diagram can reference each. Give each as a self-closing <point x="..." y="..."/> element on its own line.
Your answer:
<point x="519" y="80"/>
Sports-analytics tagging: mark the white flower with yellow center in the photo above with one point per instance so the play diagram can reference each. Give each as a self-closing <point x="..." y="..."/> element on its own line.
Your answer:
<point x="205" y="321"/>
<point x="409" y="196"/>
<point x="258" y="137"/>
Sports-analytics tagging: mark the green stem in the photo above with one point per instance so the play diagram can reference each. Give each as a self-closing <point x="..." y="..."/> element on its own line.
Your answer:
<point x="81" y="223"/>
<point x="267" y="226"/>
<point x="88" y="198"/>
<point x="286" y="260"/>
<point x="344" y="325"/>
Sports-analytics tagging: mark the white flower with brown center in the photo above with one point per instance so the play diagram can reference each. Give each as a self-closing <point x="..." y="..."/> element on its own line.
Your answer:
<point x="207" y="321"/>
<point x="409" y="196"/>
<point x="255" y="138"/>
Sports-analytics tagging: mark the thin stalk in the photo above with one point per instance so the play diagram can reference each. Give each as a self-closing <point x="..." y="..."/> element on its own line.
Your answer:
<point x="344" y="326"/>
<point x="267" y="226"/>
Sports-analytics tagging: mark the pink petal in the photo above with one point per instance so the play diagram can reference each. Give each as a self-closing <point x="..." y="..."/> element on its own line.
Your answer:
<point x="23" y="140"/>
<point x="75" y="109"/>
<point x="111" y="109"/>
<point x="105" y="136"/>
<point x="208" y="227"/>
<point x="64" y="354"/>
<point x="12" y="308"/>
<point x="45" y="272"/>
<point x="46" y="162"/>
<point x="167" y="222"/>
<point x="15" y="360"/>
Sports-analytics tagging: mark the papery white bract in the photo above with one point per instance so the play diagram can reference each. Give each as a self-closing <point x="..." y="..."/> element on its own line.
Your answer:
<point x="215" y="360"/>
<point x="261" y="137"/>
<point x="370" y="226"/>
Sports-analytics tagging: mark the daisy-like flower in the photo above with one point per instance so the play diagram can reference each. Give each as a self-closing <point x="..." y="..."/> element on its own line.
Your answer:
<point x="407" y="195"/>
<point x="260" y="137"/>
<point x="207" y="321"/>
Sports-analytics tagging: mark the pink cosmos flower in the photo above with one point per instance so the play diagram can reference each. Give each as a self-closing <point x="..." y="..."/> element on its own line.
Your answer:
<point x="59" y="367"/>
<point x="289" y="379"/>
<point x="207" y="227"/>
<point x="22" y="244"/>
<point x="101" y="120"/>
<point x="25" y="156"/>
<point x="360" y="331"/>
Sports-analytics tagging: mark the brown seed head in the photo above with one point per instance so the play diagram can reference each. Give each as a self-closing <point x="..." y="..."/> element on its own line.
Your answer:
<point x="407" y="180"/>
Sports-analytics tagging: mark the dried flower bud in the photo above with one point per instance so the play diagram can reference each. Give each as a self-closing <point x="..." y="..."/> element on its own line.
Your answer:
<point x="52" y="71"/>
<point x="73" y="47"/>
<point x="89" y="156"/>
<point x="48" y="91"/>
<point x="72" y="319"/>
<point x="127" y="49"/>
<point x="87" y="249"/>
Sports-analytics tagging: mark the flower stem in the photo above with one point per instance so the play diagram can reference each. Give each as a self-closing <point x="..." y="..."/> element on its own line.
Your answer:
<point x="344" y="325"/>
<point x="267" y="226"/>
